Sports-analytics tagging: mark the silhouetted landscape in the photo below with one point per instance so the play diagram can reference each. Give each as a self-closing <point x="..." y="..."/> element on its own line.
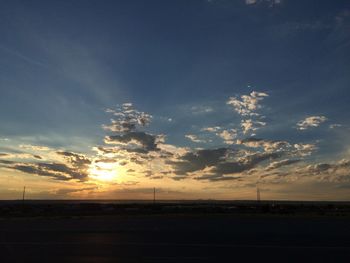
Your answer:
<point x="174" y="231"/>
<point x="50" y="208"/>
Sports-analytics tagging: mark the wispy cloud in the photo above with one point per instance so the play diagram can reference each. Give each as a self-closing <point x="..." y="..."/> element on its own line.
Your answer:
<point x="271" y="3"/>
<point x="23" y="57"/>
<point x="310" y="122"/>
<point x="194" y="138"/>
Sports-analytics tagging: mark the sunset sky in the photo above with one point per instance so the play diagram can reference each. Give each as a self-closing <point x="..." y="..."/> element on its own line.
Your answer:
<point x="202" y="99"/>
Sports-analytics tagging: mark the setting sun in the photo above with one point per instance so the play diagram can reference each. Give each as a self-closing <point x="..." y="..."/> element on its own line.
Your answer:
<point x="104" y="171"/>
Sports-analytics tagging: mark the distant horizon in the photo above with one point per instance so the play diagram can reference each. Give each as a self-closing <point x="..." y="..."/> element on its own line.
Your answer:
<point x="177" y="200"/>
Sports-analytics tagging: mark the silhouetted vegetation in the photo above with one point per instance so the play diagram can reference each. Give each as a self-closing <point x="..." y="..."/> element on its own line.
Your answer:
<point x="94" y="208"/>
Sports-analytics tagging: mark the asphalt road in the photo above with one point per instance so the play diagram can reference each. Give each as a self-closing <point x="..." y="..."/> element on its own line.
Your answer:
<point x="175" y="238"/>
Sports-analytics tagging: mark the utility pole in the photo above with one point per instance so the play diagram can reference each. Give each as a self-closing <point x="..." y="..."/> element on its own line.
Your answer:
<point x="24" y="191"/>
<point x="154" y="195"/>
<point x="257" y="193"/>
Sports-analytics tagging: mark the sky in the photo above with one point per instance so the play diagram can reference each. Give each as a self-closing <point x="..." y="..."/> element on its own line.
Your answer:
<point x="201" y="99"/>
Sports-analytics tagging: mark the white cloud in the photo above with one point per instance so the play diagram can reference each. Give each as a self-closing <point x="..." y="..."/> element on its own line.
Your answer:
<point x="250" y="2"/>
<point x="267" y="145"/>
<point x="201" y="109"/>
<point x="228" y="135"/>
<point x="304" y="149"/>
<point x="34" y="147"/>
<point x="247" y="105"/>
<point x="312" y="121"/>
<point x="335" y="125"/>
<point x="281" y="163"/>
<point x="270" y="2"/>
<point x="211" y="129"/>
<point x="194" y="138"/>
<point x="250" y="125"/>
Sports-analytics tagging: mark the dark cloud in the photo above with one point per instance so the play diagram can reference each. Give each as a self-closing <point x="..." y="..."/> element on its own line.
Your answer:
<point x="247" y="163"/>
<point x="76" y="159"/>
<point x="57" y="171"/>
<point x="195" y="161"/>
<point x="6" y="162"/>
<point x="76" y="167"/>
<point x="127" y="119"/>
<point x="217" y="177"/>
<point x="219" y="162"/>
<point x="147" y="141"/>
<point x="278" y="164"/>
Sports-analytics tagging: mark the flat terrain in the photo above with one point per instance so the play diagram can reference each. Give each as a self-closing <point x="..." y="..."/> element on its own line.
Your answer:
<point x="175" y="238"/>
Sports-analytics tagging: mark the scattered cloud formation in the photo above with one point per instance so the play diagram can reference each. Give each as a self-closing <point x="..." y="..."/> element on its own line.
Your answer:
<point x="247" y="105"/>
<point x="126" y="118"/>
<point x="310" y="122"/>
<point x="129" y="148"/>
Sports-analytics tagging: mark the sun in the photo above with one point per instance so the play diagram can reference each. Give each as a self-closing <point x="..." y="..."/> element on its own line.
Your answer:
<point x="101" y="171"/>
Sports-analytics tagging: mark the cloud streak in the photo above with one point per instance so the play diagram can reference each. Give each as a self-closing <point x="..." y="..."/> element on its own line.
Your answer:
<point x="311" y="122"/>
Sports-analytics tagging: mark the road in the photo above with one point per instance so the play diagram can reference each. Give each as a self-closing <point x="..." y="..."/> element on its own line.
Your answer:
<point x="175" y="238"/>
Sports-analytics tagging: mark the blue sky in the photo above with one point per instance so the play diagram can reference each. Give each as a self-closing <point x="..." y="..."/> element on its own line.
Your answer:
<point x="186" y="63"/>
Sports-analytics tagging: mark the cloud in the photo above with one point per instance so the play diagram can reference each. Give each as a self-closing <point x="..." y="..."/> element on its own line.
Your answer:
<point x="34" y="147"/>
<point x="67" y="191"/>
<point x="217" y="178"/>
<point x="278" y="164"/>
<point x="126" y="119"/>
<point x="75" y="167"/>
<point x="304" y="149"/>
<point x="251" y="125"/>
<point x="211" y="129"/>
<point x="271" y="3"/>
<point x="247" y="105"/>
<point x="57" y="171"/>
<point x="218" y="164"/>
<point x="137" y="152"/>
<point x="197" y="160"/>
<point x="76" y="159"/>
<point x="194" y="138"/>
<point x="312" y="121"/>
<point x="267" y="145"/>
<point x="143" y="141"/>
<point x="228" y="135"/>
<point x="201" y="110"/>
<point x="335" y="125"/>
<point x="336" y="172"/>
<point x="19" y="155"/>
<point x="250" y="2"/>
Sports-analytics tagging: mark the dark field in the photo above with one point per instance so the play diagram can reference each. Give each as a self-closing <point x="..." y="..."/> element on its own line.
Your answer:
<point x="174" y="232"/>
